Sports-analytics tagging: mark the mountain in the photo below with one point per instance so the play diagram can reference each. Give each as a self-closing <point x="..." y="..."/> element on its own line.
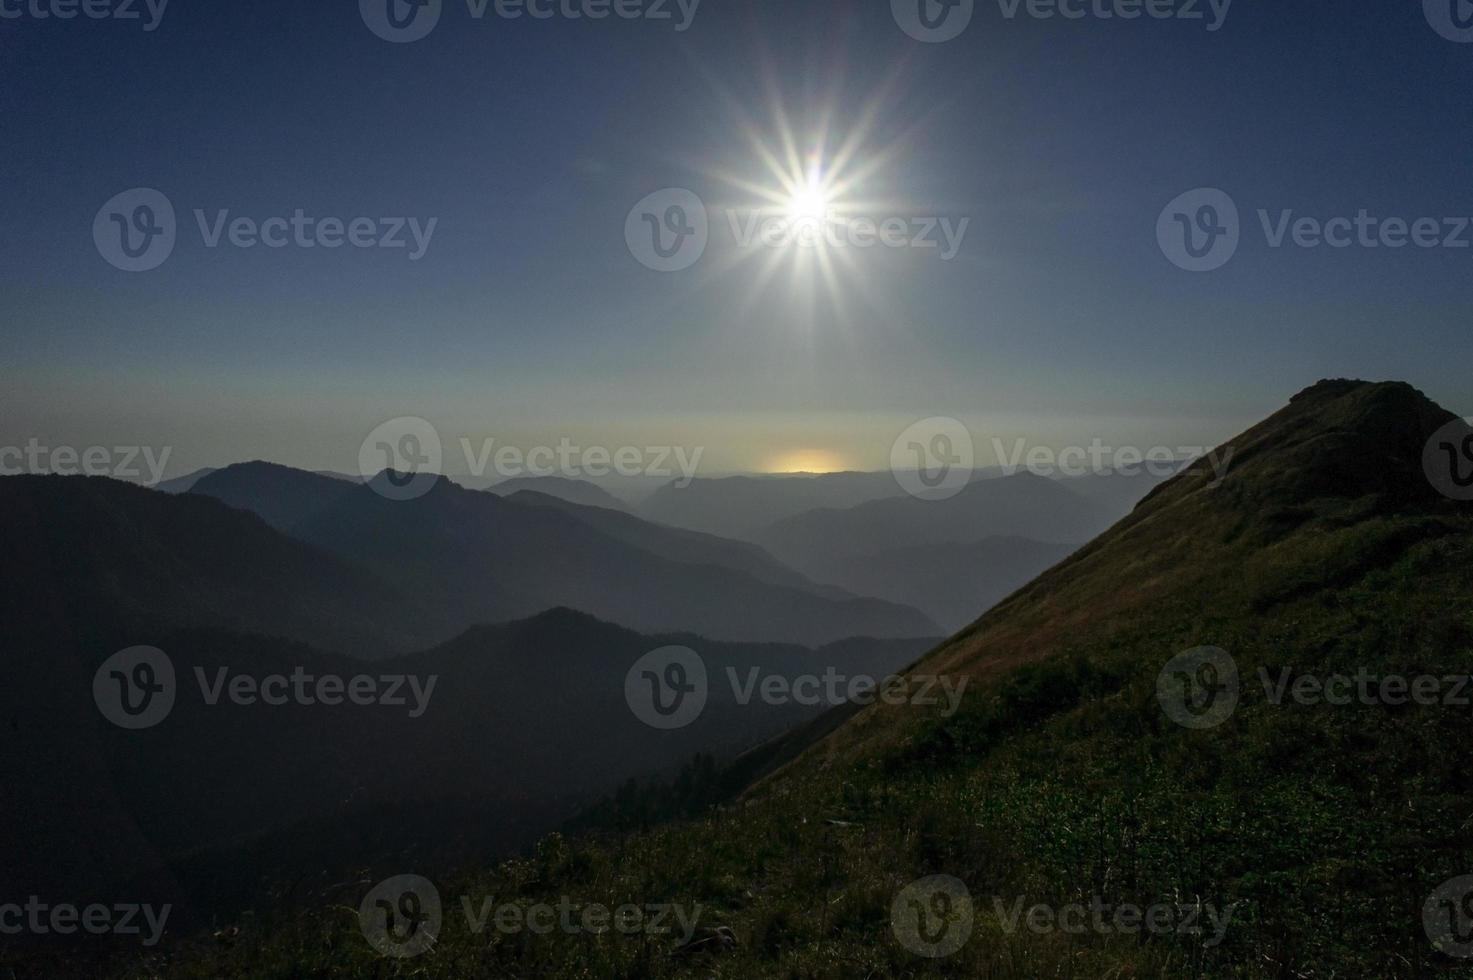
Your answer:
<point x="955" y="557"/>
<point x="475" y="557"/>
<point x="1116" y="493"/>
<point x="113" y="558"/>
<point x="821" y="543"/>
<point x="183" y="484"/>
<point x="948" y="582"/>
<point x="284" y="497"/>
<point x="186" y="483"/>
<point x="504" y="732"/>
<point x="736" y="506"/>
<point x="486" y="558"/>
<point x="1123" y="792"/>
<point x="561" y="487"/>
<point x="686" y="547"/>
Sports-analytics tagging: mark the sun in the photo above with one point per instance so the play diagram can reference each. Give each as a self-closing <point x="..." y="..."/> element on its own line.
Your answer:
<point x="810" y="199"/>
<point x="804" y="198"/>
<point x="804" y="461"/>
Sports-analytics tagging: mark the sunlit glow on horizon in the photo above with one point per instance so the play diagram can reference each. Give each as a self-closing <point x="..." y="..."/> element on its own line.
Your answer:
<point x="805" y="461"/>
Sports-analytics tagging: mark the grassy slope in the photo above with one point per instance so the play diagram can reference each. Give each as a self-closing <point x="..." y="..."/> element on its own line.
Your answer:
<point x="1061" y="778"/>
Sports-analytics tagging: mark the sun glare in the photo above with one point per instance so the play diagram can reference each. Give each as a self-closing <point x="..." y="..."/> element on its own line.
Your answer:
<point x="810" y="200"/>
<point x="805" y="461"/>
<point x="803" y="198"/>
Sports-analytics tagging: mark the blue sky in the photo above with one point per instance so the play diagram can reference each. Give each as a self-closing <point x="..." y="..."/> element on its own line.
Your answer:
<point x="528" y="141"/>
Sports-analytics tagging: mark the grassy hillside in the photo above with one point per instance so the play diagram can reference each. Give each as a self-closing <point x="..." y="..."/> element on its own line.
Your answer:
<point x="1063" y="779"/>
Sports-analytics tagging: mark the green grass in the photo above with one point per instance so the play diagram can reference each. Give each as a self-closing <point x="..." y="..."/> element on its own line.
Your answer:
<point x="1325" y="828"/>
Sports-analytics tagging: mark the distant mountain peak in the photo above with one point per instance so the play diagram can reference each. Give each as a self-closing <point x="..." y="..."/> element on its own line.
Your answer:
<point x="282" y="495"/>
<point x="392" y="483"/>
<point x="575" y="491"/>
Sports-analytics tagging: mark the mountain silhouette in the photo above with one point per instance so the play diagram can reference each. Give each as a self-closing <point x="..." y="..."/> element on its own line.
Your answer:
<point x="737" y="506"/>
<point x="677" y="544"/>
<point x="526" y="721"/>
<point x="475" y="557"/>
<point x="1069" y="777"/>
<point x="284" y="497"/>
<point x="948" y="582"/>
<point x="183" y="484"/>
<point x="118" y="559"/>
<point x="821" y="543"/>
<point x="573" y="491"/>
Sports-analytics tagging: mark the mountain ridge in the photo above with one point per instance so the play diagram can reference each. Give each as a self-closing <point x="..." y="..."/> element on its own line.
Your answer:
<point x="475" y="556"/>
<point x="1063" y="780"/>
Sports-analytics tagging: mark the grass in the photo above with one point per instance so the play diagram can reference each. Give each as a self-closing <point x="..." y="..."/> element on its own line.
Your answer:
<point x="1323" y="828"/>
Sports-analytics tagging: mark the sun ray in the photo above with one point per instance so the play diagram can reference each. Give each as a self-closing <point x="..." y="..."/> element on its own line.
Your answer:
<point x="809" y="174"/>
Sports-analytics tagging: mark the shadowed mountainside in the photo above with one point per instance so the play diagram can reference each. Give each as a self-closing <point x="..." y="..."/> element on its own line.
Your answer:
<point x="1022" y="505"/>
<point x="573" y="491"/>
<point x="737" y="506"/>
<point x="475" y="557"/>
<point x="1320" y="828"/>
<point x="221" y="803"/>
<point x="949" y="582"/>
<point x="687" y="547"/>
<point x="283" y="497"/>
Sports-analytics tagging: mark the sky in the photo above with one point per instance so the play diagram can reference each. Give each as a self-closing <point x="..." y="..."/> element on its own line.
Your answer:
<point x="530" y="315"/>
